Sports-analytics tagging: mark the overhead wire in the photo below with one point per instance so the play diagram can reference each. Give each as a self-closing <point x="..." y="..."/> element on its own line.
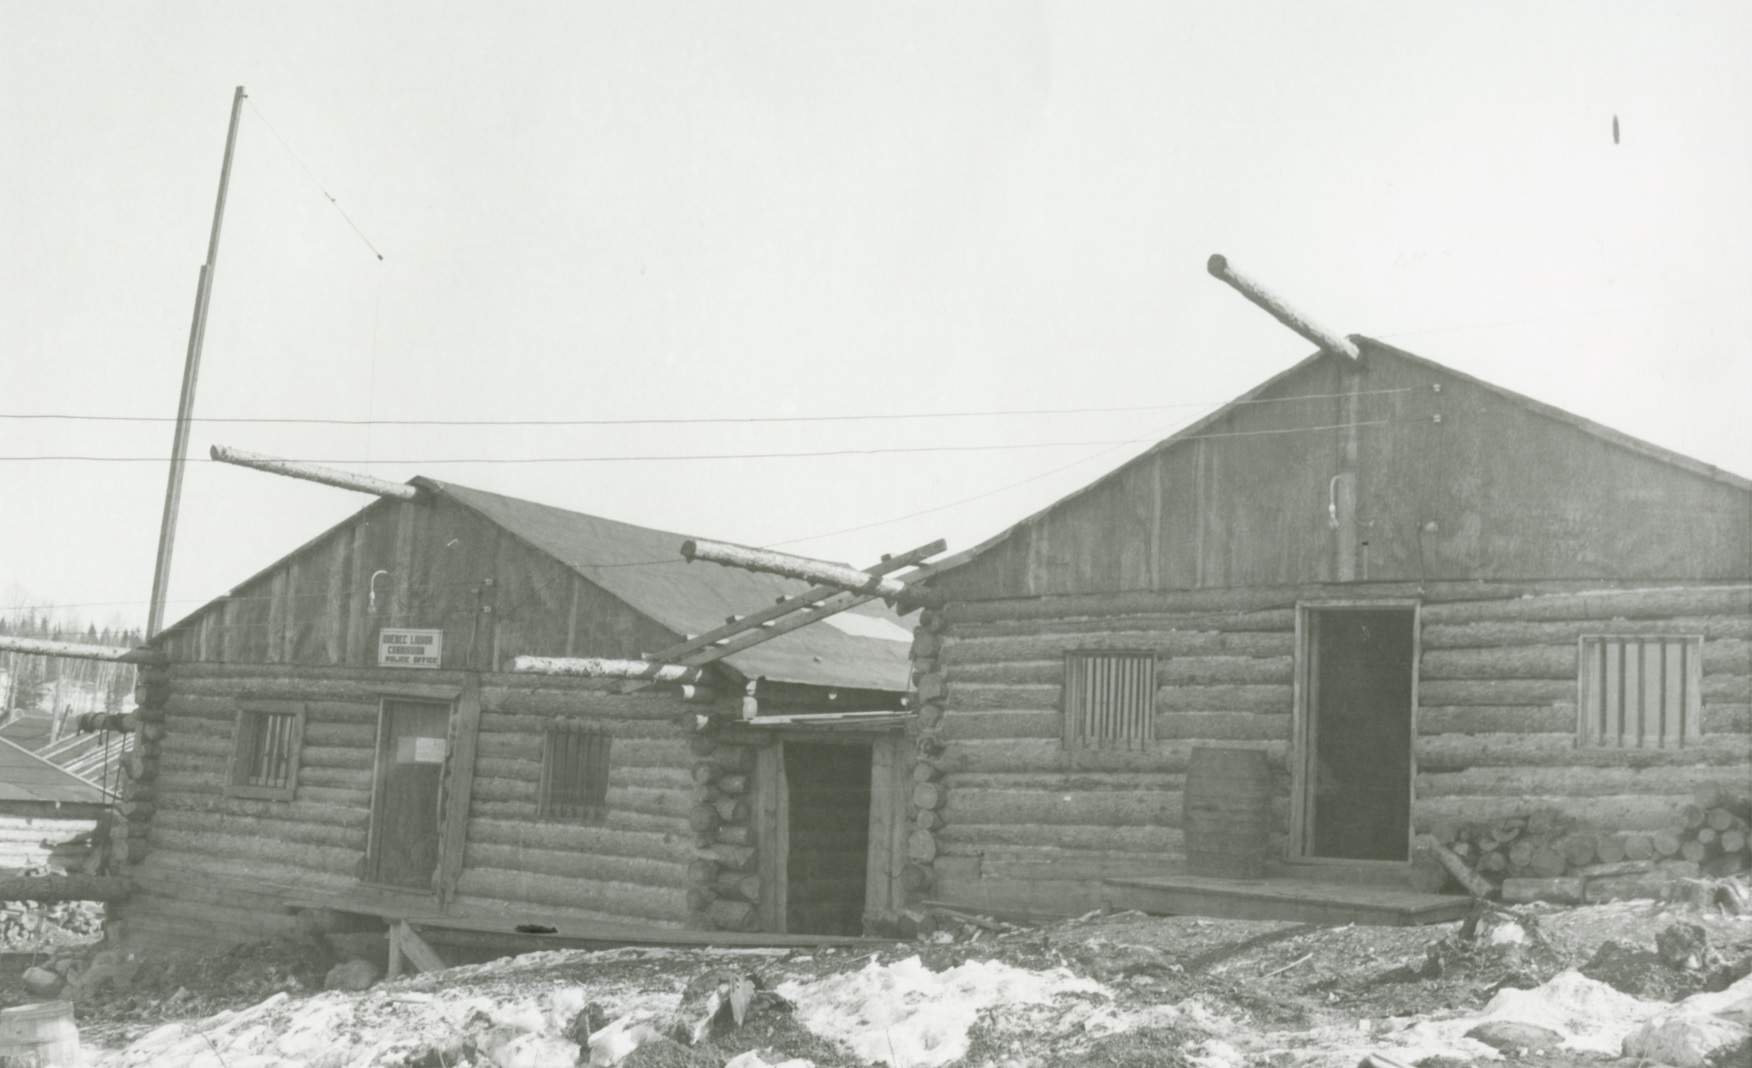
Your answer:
<point x="313" y="178"/>
<point x="688" y="420"/>
<point x="691" y="457"/>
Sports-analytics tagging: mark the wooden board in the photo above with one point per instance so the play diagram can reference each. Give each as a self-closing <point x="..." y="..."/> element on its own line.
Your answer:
<point x="1291" y="900"/>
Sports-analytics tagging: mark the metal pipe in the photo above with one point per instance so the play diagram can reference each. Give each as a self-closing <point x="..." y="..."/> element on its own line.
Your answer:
<point x="328" y="476"/>
<point x="1282" y="312"/>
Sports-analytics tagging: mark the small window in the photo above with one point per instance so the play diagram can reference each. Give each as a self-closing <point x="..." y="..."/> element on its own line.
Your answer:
<point x="1110" y="700"/>
<point x="264" y="757"/>
<point x="574" y="773"/>
<point x="1640" y="692"/>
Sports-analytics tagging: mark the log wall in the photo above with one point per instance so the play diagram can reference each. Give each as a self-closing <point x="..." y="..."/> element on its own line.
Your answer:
<point x="214" y="869"/>
<point x="1019" y="822"/>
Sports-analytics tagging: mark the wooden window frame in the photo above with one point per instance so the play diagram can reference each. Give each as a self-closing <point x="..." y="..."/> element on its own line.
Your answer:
<point x="1690" y="726"/>
<point x="1074" y="737"/>
<point x="245" y="730"/>
<point x="594" y="812"/>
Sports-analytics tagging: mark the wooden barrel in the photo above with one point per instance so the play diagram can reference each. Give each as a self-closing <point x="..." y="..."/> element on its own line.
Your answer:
<point x="1227" y="812"/>
<point x="39" y="1036"/>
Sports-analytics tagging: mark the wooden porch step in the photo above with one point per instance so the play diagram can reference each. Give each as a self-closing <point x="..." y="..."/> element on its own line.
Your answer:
<point x="1290" y="900"/>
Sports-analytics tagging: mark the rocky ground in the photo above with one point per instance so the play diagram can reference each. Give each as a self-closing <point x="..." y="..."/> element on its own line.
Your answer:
<point x="1538" y="985"/>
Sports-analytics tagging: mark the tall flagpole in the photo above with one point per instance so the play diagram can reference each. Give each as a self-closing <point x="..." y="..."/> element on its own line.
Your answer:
<point x="191" y="371"/>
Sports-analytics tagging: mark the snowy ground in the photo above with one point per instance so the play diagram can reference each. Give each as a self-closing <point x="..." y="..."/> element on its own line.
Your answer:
<point x="1118" y="990"/>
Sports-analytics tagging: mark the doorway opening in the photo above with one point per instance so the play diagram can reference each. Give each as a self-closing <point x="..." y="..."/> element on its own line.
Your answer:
<point x="406" y="822"/>
<point x="1359" y="665"/>
<point x="828" y="837"/>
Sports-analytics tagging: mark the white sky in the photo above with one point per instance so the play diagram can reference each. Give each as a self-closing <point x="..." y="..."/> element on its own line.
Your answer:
<point x="760" y="210"/>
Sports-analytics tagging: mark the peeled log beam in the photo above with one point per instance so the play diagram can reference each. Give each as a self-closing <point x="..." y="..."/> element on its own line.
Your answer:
<point x="802" y="567"/>
<point x="603" y="668"/>
<point x="1565" y="890"/>
<point x="1275" y="307"/>
<point x="327" y="476"/>
<point x="64" y="888"/>
<point x="79" y="651"/>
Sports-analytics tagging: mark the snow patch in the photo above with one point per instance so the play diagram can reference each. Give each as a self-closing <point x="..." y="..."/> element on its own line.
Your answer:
<point x="868" y="627"/>
<point x="904" y="1014"/>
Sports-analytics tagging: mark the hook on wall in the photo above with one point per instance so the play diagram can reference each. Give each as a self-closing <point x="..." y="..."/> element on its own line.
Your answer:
<point x="371" y="598"/>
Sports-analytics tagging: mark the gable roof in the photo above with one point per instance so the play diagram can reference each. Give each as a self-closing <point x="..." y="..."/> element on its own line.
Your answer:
<point x="1370" y="347"/>
<point x="24" y="776"/>
<point x="644" y="568"/>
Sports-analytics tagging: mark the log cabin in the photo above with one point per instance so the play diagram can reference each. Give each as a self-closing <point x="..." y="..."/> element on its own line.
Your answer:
<point x="347" y="731"/>
<point x="1428" y="600"/>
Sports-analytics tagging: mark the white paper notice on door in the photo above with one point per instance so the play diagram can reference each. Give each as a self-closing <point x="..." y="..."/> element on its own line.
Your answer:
<point x="421" y="750"/>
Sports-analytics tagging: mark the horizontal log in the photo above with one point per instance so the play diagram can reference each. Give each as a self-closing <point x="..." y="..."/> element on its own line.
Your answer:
<point x="1724" y="600"/>
<point x="659" y="872"/>
<point x="1224" y="726"/>
<point x="1495" y="719"/>
<point x="1562" y="890"/>
<point x="1031" y="754"/>
<point x="1568" y="632"/>
<point x="631" y="901"/>
<point x="976" y="837"/>
<point x="1030" y="723"/>
<point x="1246" y="670"/>
<point x="590" y="839"/>
<point x="79" y="650"/>
<point x="252" y="849"/>
<point x="1509" y="662"/>
<point x="1497" y="691"/>
<point x="1224" y="698"/>
<point x="1612" y="812"/>
<point x="623" y="752"/>
<point x="1165" y="643"/>
<point x="1106" y="808"/>
<point x="1578" y="781"/>
<point x="270" y="813"/>
<point x="1456" y="752"/>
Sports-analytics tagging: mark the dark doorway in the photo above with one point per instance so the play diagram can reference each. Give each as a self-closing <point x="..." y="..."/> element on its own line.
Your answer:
<point x="1359" y="702"/>
<point x="829" y="847"/>
<point x="405" y="821"/>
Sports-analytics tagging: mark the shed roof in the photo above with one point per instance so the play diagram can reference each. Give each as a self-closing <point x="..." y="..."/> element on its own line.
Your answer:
<point x="644" y="568"/>
<point x="24" y="776"/>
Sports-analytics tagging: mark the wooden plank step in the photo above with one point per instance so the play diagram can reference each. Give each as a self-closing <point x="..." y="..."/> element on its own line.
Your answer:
<point x="1289" y="900"/>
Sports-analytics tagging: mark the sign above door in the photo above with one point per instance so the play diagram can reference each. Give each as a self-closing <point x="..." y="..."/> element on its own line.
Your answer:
<point x="410" y="648"/>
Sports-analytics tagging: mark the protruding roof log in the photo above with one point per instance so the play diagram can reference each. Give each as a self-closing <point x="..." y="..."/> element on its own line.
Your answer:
<point x="328" y="476"/>
<point x="802" y="567"/>
<point x="79" y="651"/>
<point x="1282" y="312"/>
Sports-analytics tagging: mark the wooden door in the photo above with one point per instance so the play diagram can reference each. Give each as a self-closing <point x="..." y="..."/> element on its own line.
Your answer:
<point x="406" y="821"/>
<point x="1357" y="752"/>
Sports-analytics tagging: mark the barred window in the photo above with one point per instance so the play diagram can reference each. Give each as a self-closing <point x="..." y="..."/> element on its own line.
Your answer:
<point x="574" y="773"/>
<point x="1640" y="692"/>
<point x="265" y="751"/>
<point x="1110" y="700"/>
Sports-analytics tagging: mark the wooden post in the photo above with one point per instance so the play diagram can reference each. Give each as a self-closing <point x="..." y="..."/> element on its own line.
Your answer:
<point x="327" y="476"/>
<point x="802" y="567"/>
<point x="179" y="446"/>
<point x="1282" y="312"/>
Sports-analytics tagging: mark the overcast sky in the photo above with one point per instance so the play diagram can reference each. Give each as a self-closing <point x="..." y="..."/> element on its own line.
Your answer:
<point x="769" y="210"/>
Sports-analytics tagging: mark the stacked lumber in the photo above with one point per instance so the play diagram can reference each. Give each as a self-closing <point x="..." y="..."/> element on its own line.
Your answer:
<point x="1716" y="837"/>
<point x="723" y="886"/>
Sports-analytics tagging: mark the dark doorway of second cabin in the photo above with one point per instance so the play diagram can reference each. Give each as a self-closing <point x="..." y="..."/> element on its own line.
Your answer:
<point x="829" y="844"/>
<point x="406" y="822"/>
<point x="1360" y="697"/>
